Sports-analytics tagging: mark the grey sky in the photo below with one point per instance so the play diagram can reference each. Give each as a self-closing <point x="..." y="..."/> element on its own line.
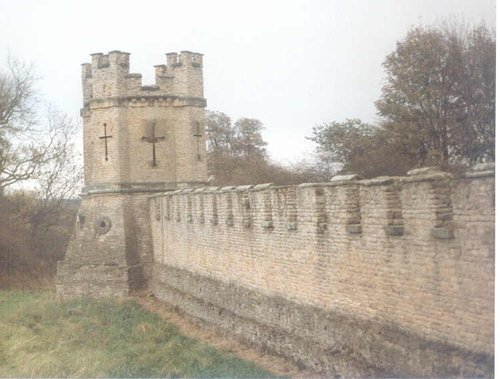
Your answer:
<point x="291" y="64"/>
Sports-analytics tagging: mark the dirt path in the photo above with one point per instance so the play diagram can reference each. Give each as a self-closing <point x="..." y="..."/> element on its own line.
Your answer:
<point x="212" y="336"/>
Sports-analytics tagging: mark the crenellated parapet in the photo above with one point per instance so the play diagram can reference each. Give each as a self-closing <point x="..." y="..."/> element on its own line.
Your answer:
<point x="107" y="81"/>
<point x="346" y="205"/>
<point x="411" y="254"/>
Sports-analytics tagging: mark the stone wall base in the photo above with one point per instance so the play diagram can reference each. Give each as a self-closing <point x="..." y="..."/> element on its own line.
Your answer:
<point x="109" y="253"/>
<point x="75" y="280"/>
<point x="328" y="342"/>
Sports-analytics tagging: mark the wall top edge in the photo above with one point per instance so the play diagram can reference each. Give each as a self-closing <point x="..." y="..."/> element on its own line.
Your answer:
<point x="425" y="174"/>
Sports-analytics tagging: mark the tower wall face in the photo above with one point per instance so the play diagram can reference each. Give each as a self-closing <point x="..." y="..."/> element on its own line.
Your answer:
<point x="137" y="140"/>
<point x="124" y="117"/>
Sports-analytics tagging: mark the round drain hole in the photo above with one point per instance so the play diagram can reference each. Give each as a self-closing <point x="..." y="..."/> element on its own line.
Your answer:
<point x="102" y="225"/>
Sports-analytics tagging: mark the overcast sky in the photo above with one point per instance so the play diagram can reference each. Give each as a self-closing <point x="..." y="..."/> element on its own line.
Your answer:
<point x="290" y="64"/>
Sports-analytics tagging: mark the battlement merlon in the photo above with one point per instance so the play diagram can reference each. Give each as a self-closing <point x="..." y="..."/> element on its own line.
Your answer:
<point x="108" y="76"/>
<point x="184" y="58"/>
<point x="113" y="59"/>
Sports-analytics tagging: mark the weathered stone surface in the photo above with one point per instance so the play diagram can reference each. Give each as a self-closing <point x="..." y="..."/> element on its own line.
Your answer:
<point x="481" y="170"/>
<point x="259" y="187"/>
<point x="354" y="228"/>
<point x="328" y="341"/>
<point x="110" y="251"/>
<point x="381" y="180"/>
<point x="227" y="188"/>
<point x="442" y="233"/>
<point x="244" y="188"/>
<point x="487" y="166"/>
<point x="394" y="230"/>
<point x="345" y="178"/>
<point x="412" y="282"/>
<point x="423" y="171"/>
<point x="267" y="224"/>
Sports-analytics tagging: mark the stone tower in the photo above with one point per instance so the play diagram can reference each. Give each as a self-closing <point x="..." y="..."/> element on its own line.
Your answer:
<point x="138" y="140"/>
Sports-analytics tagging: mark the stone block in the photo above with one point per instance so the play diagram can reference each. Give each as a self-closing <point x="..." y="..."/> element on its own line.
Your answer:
<point x="345" y="178"/>
<point x="353" y="228"/>
<point x="442" y="233"/>
<point x="394" y="230"/>
<point x="267" y="225"/>
<point x="423" y="171"/>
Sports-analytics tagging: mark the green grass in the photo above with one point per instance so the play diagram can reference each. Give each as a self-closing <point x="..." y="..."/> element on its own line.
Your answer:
<point x="43" y="337"/>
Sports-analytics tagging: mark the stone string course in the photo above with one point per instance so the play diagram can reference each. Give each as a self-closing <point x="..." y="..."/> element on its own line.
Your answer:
<point x="411" y="256"/>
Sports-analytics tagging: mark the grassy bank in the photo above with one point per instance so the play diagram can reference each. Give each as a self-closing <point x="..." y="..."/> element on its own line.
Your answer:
<point x="43" y="337"/>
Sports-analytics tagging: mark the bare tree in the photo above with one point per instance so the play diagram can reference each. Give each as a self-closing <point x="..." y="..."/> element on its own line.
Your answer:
<point x="20" y="152"/>
<point x="36" y="152"/>
<point x="58" y="175"/>
<point x="17" y="97"/>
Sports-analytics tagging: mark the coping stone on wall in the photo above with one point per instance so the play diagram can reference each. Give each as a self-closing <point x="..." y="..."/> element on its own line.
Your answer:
<point x="380" y="180"/>
<point x="425" y="174"/>
<point x="227" y="188"/>
<point x="442" y="233"/>
<point x="317" y="184"/>
<point x="482" y="170"/>
<point x="262" y="186"/>
<point x="432" y="176"/>
<point x="423" y="171"/>
<point x="486" y="166"/>
<point x="244" y="187"/>
<point x="345" y="178"/>
<point x="211" y="189"/>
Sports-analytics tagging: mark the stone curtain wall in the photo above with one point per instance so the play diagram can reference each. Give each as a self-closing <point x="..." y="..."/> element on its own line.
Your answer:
<point x="389" y="276"/>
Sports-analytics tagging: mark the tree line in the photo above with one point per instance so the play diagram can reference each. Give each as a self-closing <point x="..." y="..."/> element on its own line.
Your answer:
<point x="237" y="154"/>
<point x="437" y="107"/>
